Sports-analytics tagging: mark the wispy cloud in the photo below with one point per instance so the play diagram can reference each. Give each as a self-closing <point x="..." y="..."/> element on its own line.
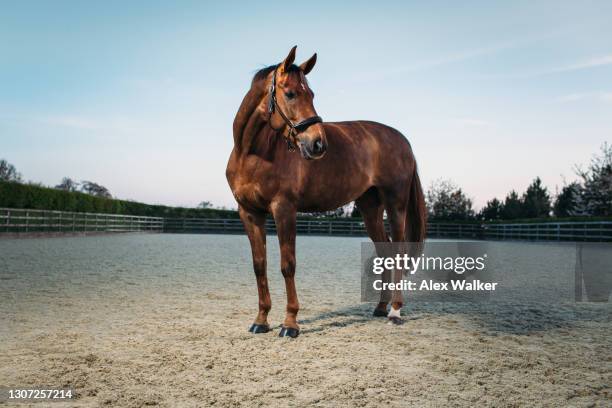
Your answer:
<point x="464" y="55"/>
<point x="455" y="57"/>
<point x="443" y="60"/>
<point x="581" y="96"/>
<point x="478" y="52"/>
<point x="590" y="63"/>
<point x="118" y="125"/>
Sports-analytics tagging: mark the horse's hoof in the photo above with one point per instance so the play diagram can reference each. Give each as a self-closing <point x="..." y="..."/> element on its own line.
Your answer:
<point x="379" y="313"/>
<point x="259" y="328"/>
<point x="396" y="320"/>
<point x="289" y="332"/>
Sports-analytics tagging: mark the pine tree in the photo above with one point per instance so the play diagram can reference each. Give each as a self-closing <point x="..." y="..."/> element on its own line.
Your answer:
<point x="536" y="200"/>
<point x="492" y="211"/>
<point x="513" y="207"/>
<point x="568" y="201"/>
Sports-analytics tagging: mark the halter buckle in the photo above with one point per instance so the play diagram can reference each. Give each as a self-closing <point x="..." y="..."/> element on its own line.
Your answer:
<point x="290" y="139"/>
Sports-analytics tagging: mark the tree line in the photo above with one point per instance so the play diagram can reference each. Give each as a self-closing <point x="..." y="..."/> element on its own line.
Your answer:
<point x="589" y="196"/>
<point x="87" y="187"/>
<point x="9" y="173"/>
<point x="85" y="196"/>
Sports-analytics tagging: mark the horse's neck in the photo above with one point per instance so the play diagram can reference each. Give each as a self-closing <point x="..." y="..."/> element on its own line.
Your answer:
<point x="260" y="140"/>
<point x="248" y="122"/>
<point x="252" y="133"/>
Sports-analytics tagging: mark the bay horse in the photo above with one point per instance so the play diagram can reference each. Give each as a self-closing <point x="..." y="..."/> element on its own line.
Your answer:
<point x="362" y="161"/>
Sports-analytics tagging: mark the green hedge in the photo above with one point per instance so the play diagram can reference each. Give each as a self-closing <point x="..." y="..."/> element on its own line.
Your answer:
<point x="16" y="195"/>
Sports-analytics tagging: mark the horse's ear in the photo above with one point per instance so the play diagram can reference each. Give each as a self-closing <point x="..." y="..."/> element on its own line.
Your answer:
<point x="289" y="60"/>
<point x="308" y="65"/>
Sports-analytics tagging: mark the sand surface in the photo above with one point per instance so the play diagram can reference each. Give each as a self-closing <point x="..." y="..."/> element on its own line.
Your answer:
<point x="161" y="320"/>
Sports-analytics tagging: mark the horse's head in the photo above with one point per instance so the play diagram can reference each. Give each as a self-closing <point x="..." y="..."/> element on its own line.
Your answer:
<point x="290" y="105"/>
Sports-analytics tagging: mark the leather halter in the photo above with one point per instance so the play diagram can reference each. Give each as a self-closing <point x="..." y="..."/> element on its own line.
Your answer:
<point x="294" y="129"/>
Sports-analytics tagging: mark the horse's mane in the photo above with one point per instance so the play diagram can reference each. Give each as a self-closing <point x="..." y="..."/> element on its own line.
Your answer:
<point x="263" y="73"/>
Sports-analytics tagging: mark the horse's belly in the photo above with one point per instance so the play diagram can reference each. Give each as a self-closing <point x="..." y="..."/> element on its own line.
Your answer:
<point x="323" y="205"/>
<point x="326" y="194"/>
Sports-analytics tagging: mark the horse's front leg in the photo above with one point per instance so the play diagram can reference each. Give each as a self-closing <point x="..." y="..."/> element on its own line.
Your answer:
<point x="285" y="218"/>
<point x="255" y="226"/>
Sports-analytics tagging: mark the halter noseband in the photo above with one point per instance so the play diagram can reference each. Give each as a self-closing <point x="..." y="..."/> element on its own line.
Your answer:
<point x="294" y="129"/>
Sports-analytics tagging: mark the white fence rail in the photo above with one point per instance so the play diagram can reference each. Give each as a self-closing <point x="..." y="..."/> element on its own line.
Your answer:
<point x="41" y="221"/>
<point x="44" y="221"/>
<point x="596" y="231"/>
<point x="234" y="225"/>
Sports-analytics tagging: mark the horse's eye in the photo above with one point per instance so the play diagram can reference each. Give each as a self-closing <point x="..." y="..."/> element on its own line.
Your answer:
<point x="290" y="95"/>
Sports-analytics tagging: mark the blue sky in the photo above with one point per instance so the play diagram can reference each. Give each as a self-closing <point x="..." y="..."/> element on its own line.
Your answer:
<point x="140" y="96"/>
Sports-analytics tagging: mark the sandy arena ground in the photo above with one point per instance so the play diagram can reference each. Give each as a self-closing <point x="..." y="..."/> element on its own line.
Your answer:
<point x="161" y="335"/>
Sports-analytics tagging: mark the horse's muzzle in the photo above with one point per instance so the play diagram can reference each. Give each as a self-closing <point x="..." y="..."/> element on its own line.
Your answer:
<point x="314" y="149"/>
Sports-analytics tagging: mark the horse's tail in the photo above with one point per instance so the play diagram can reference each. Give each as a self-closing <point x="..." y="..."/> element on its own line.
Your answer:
<point x="416" y="216"/>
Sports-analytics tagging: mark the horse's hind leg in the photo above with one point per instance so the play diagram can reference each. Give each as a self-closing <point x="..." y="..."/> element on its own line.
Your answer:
<point x="372" y="211"/>
<point x="255" y="226"/>
<point x="396" y="211"/>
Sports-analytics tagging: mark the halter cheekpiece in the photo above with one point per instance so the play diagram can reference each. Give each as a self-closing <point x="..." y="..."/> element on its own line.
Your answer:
<point x="294" y="129"/>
